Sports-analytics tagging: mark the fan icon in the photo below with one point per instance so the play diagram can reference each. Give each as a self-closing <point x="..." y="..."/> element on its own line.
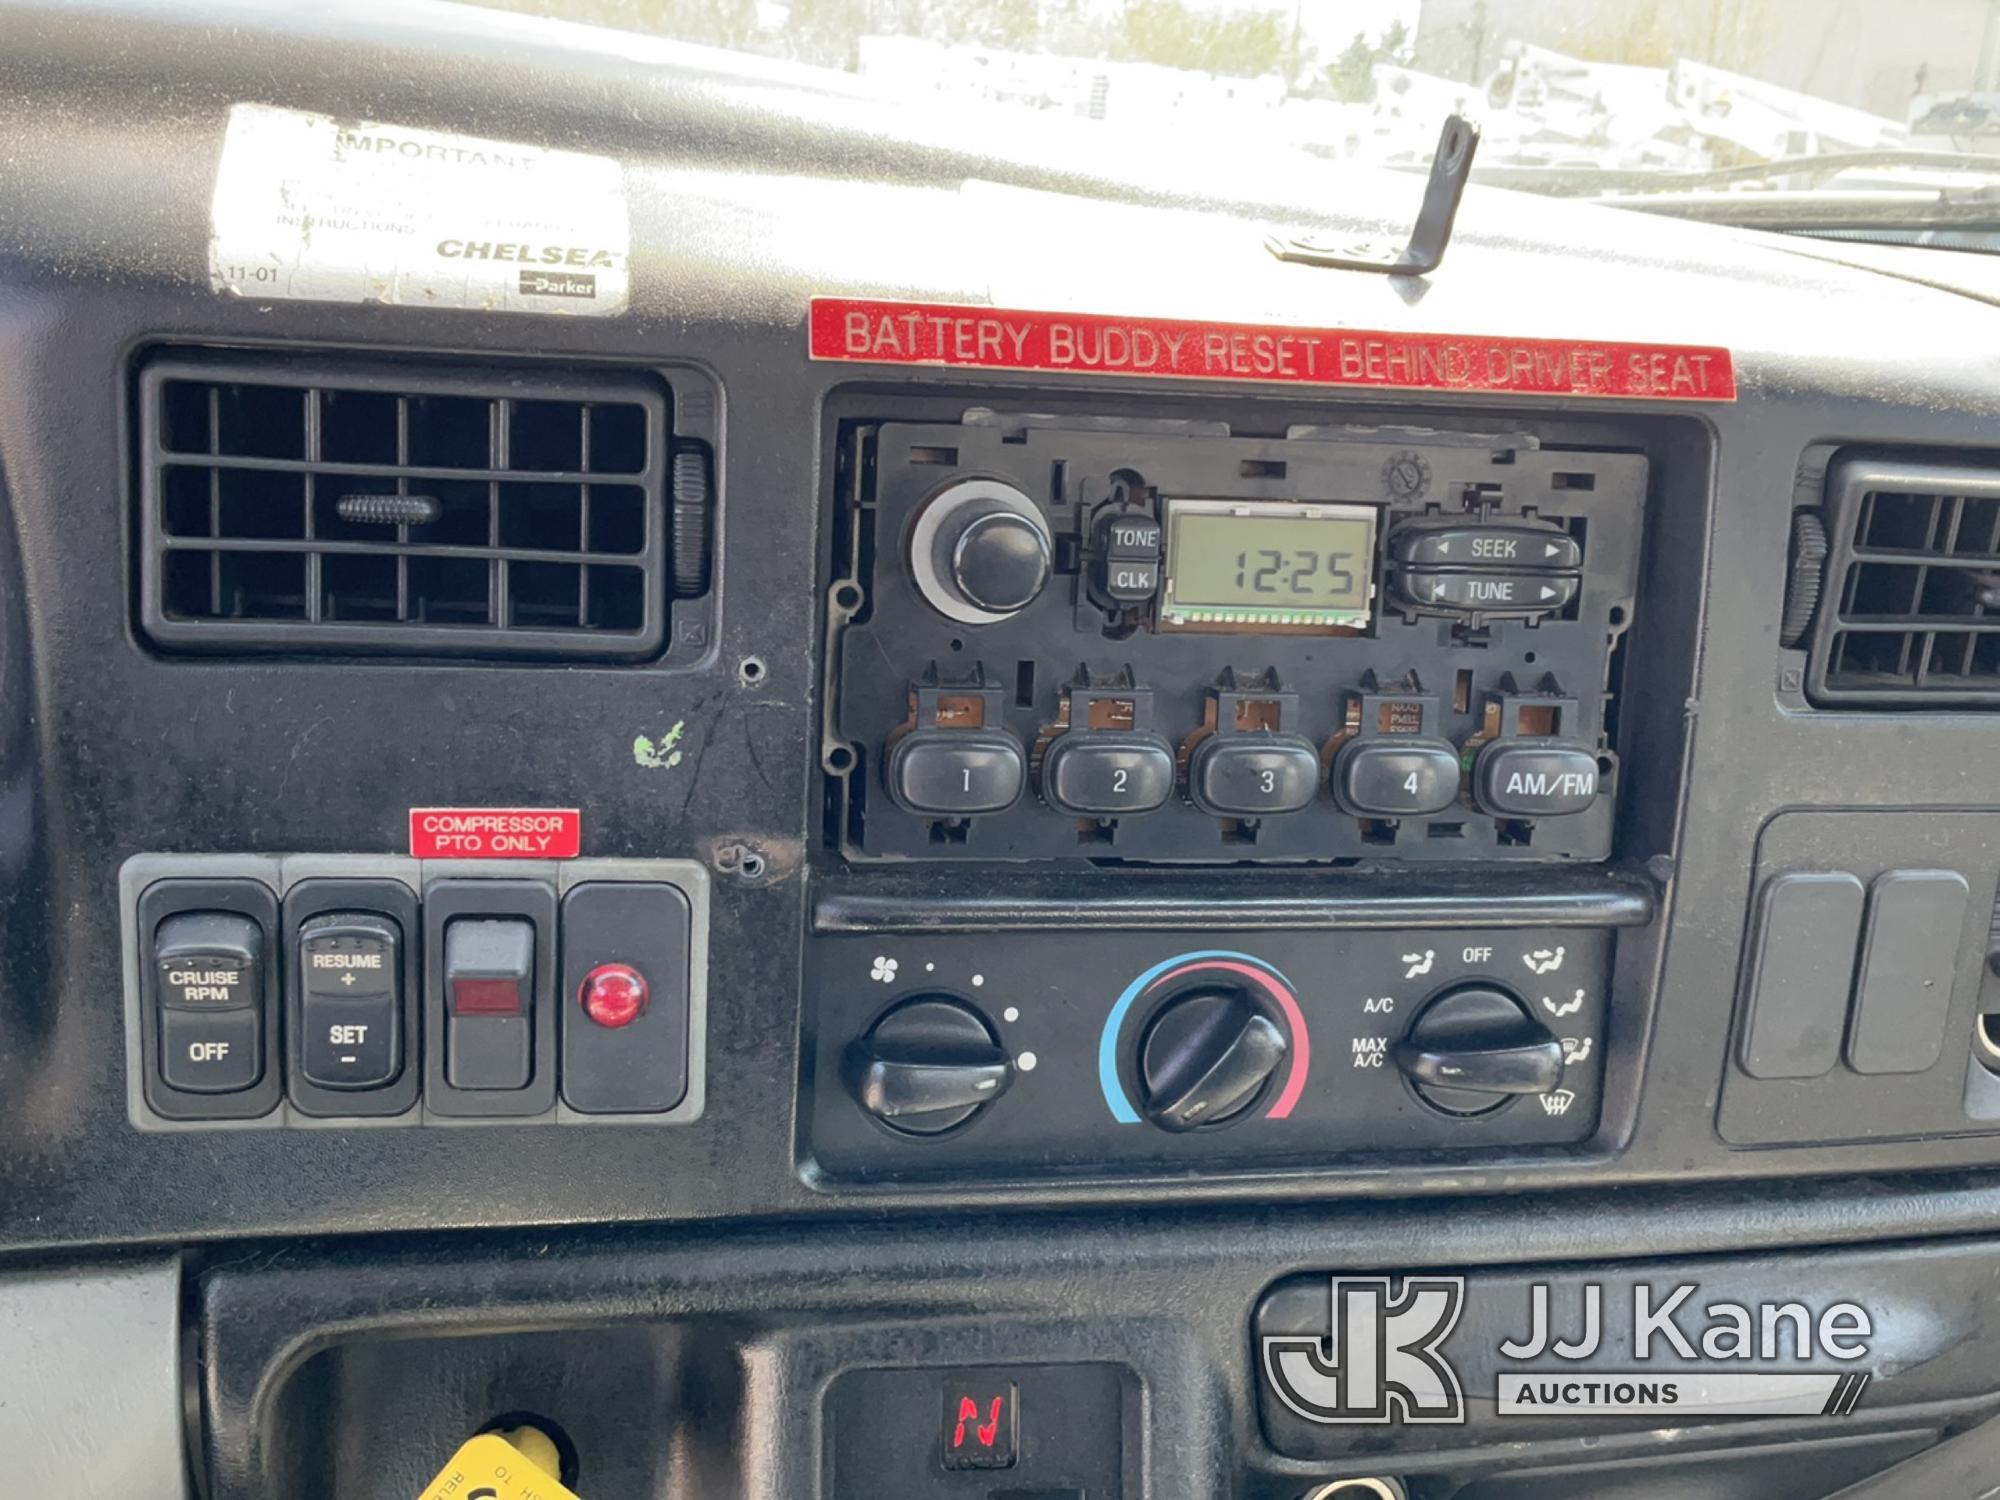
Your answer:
<point x="883" y="969"/>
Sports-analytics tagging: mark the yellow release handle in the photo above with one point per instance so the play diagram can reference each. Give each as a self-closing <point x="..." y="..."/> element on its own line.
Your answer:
<point x="489" y="1467"/>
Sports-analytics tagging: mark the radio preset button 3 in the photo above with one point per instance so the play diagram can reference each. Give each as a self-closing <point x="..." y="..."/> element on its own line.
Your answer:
<point x="1253" y="776"/>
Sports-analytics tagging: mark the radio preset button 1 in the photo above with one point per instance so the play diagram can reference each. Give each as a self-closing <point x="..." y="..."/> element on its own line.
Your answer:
<point x="1108" y="775"/>
<point x="1494" y="591"/>
<point x="956" y="773"/>
<point x="1395" y="778"/>
<point x="1253" y="776"/>
<point x="1531" y="779"/>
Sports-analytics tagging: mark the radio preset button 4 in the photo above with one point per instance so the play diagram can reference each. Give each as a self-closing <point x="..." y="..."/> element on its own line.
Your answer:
<point x="1394" y="778"/>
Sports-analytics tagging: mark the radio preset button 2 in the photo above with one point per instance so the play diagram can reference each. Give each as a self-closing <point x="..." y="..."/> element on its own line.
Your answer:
<point x="1108" y="775"/>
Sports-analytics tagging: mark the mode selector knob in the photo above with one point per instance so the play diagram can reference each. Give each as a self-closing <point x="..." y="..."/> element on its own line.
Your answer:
<point x="980" y="551"/>
<point x="928" y="1066"/>
<point x="1206" y="1057"/>
<point x="1474" y="1048"/>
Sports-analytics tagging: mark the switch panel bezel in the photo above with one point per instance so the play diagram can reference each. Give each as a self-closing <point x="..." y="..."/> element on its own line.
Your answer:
<point x="281" y="874"/>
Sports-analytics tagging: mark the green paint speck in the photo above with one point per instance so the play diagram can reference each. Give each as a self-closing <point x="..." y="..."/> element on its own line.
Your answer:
<point x="663" y="756"/>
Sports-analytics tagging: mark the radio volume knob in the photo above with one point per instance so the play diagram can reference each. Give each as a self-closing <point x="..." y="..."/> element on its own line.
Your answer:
<point x="980" y="551"/>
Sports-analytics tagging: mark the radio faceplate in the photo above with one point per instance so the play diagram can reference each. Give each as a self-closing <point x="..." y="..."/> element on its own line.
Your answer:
<point x="1106" y="638"/>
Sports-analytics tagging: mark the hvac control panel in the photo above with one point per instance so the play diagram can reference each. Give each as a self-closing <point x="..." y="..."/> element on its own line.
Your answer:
<point x="1061" y="638"/>
<point x="336" y="989"/>
<point x="1005" y="1055"/>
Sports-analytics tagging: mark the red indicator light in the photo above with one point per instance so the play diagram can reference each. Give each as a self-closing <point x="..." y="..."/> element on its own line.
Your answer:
<point x="613" y="995"/>
<point x="986" y="1432"/>
<point x="486" y="997"/>
<point x="982" y="1424"/>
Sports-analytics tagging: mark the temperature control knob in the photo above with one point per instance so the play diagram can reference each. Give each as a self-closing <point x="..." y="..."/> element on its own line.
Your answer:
<point x="1206" y="1057"/>
<point x="980" y="551"/>
<point x="1474" y="1048"/>
<point x="928" y="1066"/>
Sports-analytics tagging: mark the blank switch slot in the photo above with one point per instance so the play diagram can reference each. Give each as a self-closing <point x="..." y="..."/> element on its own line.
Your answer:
<point x="1909" y="966"/>
<point x="1801" y="973"/>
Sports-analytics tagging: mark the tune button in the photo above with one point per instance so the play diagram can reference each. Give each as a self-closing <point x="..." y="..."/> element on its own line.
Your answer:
<point x="1108" y="774"/>
<point x="1398" y="777"/>
<point x="1253" y="775"/>
<point x="1486" y="591"/>
<point x="956" y="773"/>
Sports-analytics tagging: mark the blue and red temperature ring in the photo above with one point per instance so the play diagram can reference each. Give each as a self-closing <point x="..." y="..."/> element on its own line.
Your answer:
<point x="1240" y="967"/>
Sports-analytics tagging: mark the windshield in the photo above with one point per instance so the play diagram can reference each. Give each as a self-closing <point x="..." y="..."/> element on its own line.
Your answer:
<point x="1838" y="116"/>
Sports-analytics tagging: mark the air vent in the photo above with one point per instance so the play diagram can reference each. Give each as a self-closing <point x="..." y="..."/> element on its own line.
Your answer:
<point x="1910" y="609"/>
<point x="352" y="507"/>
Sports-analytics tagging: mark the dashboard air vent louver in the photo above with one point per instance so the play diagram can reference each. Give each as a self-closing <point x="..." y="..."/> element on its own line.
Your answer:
<point x="352" y="506"/>
<point x="1910" y="613"/>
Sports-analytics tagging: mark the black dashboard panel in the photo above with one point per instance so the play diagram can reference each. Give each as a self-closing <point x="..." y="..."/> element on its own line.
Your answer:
<point x="856" y="702"/>
<point x="250" y="755"/>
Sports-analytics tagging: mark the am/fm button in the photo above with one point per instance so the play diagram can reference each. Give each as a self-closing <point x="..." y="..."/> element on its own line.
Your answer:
<point x="1516" y="779"/>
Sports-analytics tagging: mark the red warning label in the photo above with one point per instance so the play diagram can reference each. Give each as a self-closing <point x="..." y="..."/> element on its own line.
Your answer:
<point x="996" y="338"/>
<point x="495" y="832"/>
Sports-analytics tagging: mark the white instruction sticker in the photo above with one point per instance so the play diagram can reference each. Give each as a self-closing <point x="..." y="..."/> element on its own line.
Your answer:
<point x="309" y="208"/>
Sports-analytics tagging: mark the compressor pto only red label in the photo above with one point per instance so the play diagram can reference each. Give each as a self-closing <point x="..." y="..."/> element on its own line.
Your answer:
<point x="495" y="832"/>
<point x="996" y="338"/>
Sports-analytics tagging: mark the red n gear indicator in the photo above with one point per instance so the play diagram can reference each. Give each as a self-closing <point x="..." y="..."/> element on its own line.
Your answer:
<point x="981" y="1425"/>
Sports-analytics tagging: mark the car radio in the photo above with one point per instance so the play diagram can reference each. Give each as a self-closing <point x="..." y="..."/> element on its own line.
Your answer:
<point x="1161" y="640"/>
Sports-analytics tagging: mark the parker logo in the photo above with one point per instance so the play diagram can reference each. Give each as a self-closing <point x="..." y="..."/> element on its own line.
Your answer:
<point x="1381" y="1362"/>
<point x="558" y="284"/>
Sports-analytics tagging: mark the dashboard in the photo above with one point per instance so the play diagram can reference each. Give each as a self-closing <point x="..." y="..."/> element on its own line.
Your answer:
<point x="819" y="771"/>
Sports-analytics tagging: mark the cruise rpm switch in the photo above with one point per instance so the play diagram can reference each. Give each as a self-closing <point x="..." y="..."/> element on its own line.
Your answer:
<point x="211" y="1001"/>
